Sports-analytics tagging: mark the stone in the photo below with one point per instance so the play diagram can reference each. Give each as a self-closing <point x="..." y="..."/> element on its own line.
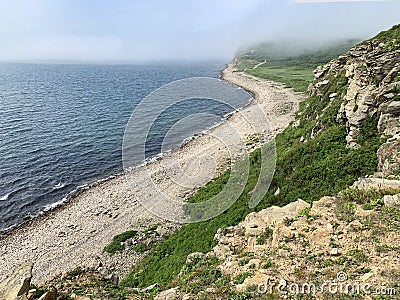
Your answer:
<point x="170" y="294"/>
<point x="320" y="207"/>
<point x="274" y="215"/>
<point x="280" y="233"/>
<point x="378" y="184"/>
<point x="392" y="201"/>
<point x="333" y="95"/>
<point x="366" y="276"/>
<point x="321" y="84"/>
<point x="334" y="252"/>
<point x="17" y="284"/>
<point x="319" y="238"/>
<point x="367" y="99"/>
<point x="278" y="191"/>
<point x="114" y="279"/>
<point x="393" y="108"/>
<point x="30" y="296"/>
<point x="50" y="295"/>
<point x="259" y="278"/>
<point x="150" y="287"/>
<point x="83" y="298"/>
<point x="356" y="224"/>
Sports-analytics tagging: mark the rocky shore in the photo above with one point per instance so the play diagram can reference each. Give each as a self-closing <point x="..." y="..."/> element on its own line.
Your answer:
<point x="76" y="233"/>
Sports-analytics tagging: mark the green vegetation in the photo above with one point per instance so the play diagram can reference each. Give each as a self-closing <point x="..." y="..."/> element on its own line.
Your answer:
<point x="265" y="236"/>
<point x="240" y="278"/>
<point x="293" y="77"/>
<point x="391" y="38"/>
<point x="292" y="67"/>
<point x="116" y="244"/>
<point x="292" y="54"/>
<point x="358" y="255"/>
<point x="323" y="162"/>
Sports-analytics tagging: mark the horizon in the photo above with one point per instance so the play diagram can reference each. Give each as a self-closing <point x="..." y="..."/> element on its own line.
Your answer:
<point x="92" y="32"/>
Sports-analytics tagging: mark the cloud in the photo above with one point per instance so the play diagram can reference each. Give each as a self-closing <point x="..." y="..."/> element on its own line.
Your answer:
<point x="98" y="30"/>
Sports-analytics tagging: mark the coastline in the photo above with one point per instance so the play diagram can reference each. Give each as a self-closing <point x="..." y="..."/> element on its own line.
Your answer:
<point x="74" y="233"/>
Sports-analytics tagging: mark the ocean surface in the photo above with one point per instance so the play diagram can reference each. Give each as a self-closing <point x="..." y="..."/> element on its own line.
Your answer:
<point x="62" y="127"/>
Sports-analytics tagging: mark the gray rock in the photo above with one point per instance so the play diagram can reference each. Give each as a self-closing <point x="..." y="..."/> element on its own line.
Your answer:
<point x="17" y="284"/>
<point x="333" y="95"/>
<point x="170" y="294"/>
<point x="378" y="184"/>
<point x="334" y="252"/>
<point x="393" y="108"/>
<point x="150" y="287"/>
<point x="115" y="279"/>
<point x="392" y="201"/>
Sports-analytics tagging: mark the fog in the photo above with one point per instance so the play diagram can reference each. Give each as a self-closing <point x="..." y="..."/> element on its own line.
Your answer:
<point x="153" y="30"/>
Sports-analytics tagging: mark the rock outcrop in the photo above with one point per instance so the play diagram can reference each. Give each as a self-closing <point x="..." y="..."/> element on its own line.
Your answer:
<point x="333" y="240"/>
<point x="372" y="90"/>
<point x="17" y="285"/>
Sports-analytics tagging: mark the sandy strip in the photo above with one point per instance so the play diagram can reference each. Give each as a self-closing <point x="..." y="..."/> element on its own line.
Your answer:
<point x="76" y="233"/>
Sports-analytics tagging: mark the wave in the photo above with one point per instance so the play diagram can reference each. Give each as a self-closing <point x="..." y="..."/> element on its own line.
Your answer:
<point x="5" y="197"/>
<point x="75" y="193"/>
<point x="81" y="188"/>
<point x="59" y="186"/>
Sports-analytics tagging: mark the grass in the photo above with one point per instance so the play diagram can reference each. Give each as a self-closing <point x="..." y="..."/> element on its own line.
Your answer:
<point x="293" y="68"/>
<point x="293" y="77"/>
<point x="391" y="38"/>
<point x="265" y="236"/>
<point x="117" y="243"/>
<point x="324" y="163"/>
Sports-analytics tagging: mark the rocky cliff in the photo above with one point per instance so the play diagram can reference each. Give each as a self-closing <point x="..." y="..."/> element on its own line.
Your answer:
<point x="371" y="92"/>
<point x="343" y="246"/>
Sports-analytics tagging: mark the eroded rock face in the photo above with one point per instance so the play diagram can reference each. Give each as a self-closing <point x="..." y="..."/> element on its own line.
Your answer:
<point x="300" y="242"/>
<point x="244" y="236"/>
<point x="17" y="284"/>
<point x="373" y="89"/>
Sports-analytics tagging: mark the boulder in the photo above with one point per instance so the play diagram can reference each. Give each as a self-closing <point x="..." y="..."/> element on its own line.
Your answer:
<point x="392" y="201"/>
<point x="257" y="280"/>
<point x="392" y="108"/>
<point x="170" y="294"/>
<point x="17" y="284"/>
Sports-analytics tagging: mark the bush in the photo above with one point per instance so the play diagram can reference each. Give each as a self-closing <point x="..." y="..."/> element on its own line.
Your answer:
<point x="116" y="244"/>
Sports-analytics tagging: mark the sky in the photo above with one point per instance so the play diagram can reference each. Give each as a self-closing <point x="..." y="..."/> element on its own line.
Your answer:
<point x="152" y="30"/>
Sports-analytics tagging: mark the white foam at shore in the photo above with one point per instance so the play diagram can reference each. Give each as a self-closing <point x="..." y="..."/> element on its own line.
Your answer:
<point x="5" y="197"/>
<point x="74" y="193"/>
<point x="59" y="186"/>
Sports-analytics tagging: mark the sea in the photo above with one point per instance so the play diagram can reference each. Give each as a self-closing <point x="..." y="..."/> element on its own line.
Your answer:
<point x="62" y="127"/>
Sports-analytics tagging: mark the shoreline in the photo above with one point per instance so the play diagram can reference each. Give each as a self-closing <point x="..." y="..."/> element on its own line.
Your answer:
<point x="74" y="233"/>
<point x="91" y="184"/>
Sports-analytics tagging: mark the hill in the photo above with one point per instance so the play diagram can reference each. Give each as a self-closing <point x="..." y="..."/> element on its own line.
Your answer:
<point x="346" y="134"/>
